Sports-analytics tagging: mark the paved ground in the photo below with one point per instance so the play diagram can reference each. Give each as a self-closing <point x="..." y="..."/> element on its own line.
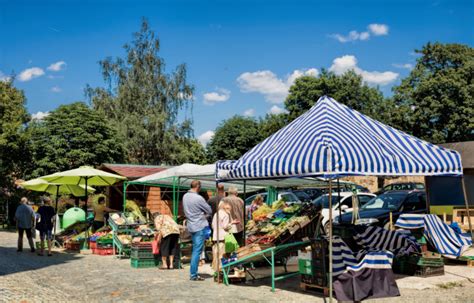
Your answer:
<point x="25" y="277"/>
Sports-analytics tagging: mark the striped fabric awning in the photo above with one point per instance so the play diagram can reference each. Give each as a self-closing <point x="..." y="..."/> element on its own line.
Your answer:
<point x="410" y="221"/>
<point x="446" y="240"/>
<point x="331" y="140"/>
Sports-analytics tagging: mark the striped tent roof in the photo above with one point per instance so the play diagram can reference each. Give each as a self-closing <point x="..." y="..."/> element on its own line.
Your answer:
<point x="331" y="139"/>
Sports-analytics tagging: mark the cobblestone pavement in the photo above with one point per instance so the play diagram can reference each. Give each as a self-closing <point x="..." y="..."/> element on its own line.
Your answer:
<point x="67" y="277"/>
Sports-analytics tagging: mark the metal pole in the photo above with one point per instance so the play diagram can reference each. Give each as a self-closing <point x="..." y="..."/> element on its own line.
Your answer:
<point x="124" y="197"/>
<point x="330" y="240"/>
<point x="339" y="199"/>
<point x="218" y="239"/>
<point x="245" y="215"/>
<point x="467" y="208"/>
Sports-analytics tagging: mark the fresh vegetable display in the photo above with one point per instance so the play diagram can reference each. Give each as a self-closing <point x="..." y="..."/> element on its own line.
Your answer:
<point x="269" y="224"/>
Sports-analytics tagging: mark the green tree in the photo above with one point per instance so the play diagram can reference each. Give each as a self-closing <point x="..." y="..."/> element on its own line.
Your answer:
<point x="348" y="88"/>
<point x="436" y="101"/>
<point x="272" y="123"/>
<point x="233" y="138"/>
<point x="71" y="136"/>
<point x="13" y="139"/>
<point x="145" y="104"/>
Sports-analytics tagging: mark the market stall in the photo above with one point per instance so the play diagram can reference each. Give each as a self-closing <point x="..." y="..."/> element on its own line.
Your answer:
<point x="332" y="140"/>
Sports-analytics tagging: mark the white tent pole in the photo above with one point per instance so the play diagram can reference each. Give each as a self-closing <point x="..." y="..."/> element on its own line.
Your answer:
<point x="330" y="225"/>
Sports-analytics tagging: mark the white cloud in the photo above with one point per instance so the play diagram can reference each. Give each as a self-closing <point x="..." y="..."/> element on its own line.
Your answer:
<point x="345" y="63"/>
<point x="56" y="89"/>
<point x="276" y="110"/>
<point x="378" y="29"/>
<point x="39" y="116"/>
<point x="374" y="29"/>
<point x="30" y="73"/>
<point x="405" y="66"/>
<point x="57" y="66"/>
<point x="206" y="137"/>
<point x="220" y="95"/>
<point x="268" y="84"/>
<point x="249" y="112"/>
<point x="4" y="78"/>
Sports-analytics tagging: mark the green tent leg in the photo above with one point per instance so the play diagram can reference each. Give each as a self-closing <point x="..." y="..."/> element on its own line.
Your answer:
<point x="273" y="270"/>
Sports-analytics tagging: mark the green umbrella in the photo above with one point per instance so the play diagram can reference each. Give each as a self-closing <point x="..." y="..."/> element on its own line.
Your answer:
<point x="42" y="185"/>
<point x="84" y="175"/>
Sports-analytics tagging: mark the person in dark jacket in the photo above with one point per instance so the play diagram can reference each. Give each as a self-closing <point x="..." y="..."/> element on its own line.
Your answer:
<point x="46" y="224"/>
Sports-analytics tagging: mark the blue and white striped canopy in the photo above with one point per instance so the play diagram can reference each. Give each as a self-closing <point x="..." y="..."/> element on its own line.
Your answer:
<point x="331" y="140"/>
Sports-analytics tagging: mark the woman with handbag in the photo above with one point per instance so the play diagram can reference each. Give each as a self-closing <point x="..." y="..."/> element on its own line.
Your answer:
<point x="222" y="225"/>
<point x="167" y="235"/>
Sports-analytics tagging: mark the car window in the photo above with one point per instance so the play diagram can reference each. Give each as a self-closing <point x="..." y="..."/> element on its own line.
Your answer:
<point x="388" y="187"/>
<point x="390" y="200"/>
<point x="414" y="202"/>
<point x="289" y="198"/>
<point x="324" y="201"/>
<point x="363" y="199"/>
<point x="419" y="186"/>
<point x="347" y="201"/>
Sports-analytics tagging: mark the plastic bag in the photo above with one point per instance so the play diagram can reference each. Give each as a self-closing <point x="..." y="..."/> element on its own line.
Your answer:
<point x="155" y="245"/>
<point x="231" y="243"/>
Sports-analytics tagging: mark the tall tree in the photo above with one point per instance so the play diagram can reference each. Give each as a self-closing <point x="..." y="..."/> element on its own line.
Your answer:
<point x="348" y="88"/>
<point x="71" y="136"/>
<point x="13" y="139"/>
<point x="437" y="98"/>
<point x="272" y="123"/>
<point x="144" y="103"/>
<point x="234" y="137"/>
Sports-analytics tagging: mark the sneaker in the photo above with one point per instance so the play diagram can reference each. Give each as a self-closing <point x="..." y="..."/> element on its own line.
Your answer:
<point x="197" y="278"/>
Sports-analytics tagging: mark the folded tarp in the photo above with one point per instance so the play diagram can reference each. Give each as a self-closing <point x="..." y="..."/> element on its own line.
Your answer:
<point x="410" y="221"/>
<point x="447" y="241"/>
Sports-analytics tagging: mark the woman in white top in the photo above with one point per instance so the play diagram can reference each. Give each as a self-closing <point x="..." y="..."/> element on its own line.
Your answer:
<point x="222" y="224"/>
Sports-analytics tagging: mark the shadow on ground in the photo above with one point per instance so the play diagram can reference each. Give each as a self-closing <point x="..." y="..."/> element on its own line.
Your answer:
<point x="14" y="262"/>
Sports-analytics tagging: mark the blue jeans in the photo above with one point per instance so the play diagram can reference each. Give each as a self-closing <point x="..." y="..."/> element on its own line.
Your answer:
<point x="198" y="243"/>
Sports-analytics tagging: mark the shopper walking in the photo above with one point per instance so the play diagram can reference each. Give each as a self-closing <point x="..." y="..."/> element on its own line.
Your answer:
<point x="196" y="211"/>
<point x="237" y="214"/>
<point x="25" y="219"/>
<point x="46" y="224"/>
<point x="168" y="232"/>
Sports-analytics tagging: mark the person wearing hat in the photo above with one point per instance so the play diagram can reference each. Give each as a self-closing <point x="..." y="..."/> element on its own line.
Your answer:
<point x="45" y="224"/>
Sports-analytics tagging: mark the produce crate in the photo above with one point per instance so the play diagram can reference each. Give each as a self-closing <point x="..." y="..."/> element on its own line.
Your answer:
<point x="104" y="242"/>
<point x="144" y="263"/>
<point x="429" y="271"/>
<point x="123" y="249"/>
<point x="404" y="266"/>
<point x="318" y="281"/>
<point x="103" y="251"/>
<point x="311" y="267"/>
<point x="141" y="253"/>
<point x="73" y="245"/>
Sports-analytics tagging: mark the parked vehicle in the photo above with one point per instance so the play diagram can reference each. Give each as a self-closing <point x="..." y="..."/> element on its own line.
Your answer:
<point x="340" y="201"/>
<point x="313" y="193"/>
<point x="288" y="196"/>
<point x="377" y="211"/>
<point x="401" y="186"/>
<point x="302" y="195"/>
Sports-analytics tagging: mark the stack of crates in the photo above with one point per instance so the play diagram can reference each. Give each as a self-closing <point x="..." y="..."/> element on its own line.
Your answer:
<point x="313" y="266"/>
<point x="141" y="255"/>
<point x="103" y="246"/>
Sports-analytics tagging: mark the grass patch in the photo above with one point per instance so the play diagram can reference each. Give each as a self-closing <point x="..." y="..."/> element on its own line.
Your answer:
<point x="450" y="285"/>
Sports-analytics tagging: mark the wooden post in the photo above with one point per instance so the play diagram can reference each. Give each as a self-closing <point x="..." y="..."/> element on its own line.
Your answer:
<point x="467" y="208"/>
<point x="391" y="221"/>
<point x="444" y="217"/>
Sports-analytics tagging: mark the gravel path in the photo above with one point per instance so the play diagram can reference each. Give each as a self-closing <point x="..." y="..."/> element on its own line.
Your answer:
<point x="66" y="277"/>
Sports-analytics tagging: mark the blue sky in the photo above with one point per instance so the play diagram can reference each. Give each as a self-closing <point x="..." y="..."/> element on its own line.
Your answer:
<point x="241" y="55"/>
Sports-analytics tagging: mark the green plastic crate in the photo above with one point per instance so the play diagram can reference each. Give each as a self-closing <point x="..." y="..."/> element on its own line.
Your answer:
<point x="144" y="263"/>
<point x="141" y="253"/>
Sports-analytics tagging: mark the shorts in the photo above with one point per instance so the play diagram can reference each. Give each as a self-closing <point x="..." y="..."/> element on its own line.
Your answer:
<point x="169" y="245"/>
<point x="46" y="233"/>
